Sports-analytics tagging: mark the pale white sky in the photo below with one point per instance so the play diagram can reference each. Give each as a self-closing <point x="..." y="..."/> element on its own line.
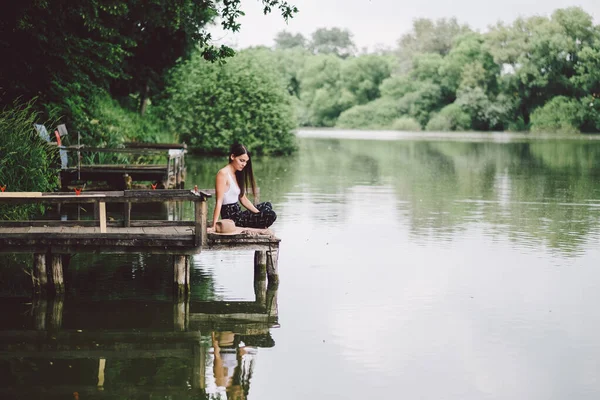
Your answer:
<point x="382" y="22"/>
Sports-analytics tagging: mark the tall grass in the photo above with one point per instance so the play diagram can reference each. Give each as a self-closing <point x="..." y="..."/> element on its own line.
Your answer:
<point x="27" y="162"/>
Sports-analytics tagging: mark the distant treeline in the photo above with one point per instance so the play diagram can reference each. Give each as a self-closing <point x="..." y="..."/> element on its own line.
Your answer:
<point x="539" y="74"/>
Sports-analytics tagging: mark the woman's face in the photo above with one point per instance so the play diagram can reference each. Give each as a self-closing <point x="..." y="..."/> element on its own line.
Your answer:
<point x="239" y="162"/>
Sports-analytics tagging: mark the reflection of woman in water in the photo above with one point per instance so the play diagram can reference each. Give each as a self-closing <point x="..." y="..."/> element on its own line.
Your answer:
<point x="228" y="366"/>
<point x="230" y="190"/>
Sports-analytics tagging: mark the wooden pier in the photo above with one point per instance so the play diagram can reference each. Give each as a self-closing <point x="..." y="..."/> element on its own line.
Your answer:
<point x="123" y="176"/>
<point x="50" y="240"/>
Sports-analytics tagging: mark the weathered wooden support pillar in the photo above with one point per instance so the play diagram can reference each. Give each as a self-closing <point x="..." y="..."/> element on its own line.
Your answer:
<point x="181" y="314"/>
<point x="260" y="276"/>
<point x="58" y="281"/>
<point x="181" y="281"/>
<point x="201" y="211"/>
<point x="273" y="268"/>
<point x="40" y="273"/>
<point x="96" y="211"/>
<point x="127" y="214"/>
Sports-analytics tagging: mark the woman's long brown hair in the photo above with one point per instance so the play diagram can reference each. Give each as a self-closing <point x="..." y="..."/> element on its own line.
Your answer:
<point x="245" y="177"/>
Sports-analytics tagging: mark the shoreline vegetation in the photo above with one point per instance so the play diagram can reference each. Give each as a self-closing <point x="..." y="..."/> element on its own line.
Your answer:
<point x="536" y="74"/>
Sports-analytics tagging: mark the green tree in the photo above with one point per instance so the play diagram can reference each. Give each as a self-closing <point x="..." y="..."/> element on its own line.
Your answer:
<point x="332" y="41"/>
<point x="63" y="52"/>
<point x="541" y="56"/>
<point x="428" y="36"/>
<point x="213" y="105"/>
<point x="286" y="40"/>
<point x="321" y="91"/>
<point x="363" y="75"/>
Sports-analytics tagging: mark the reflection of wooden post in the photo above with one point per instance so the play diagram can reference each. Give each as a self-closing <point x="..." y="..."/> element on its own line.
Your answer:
<point x="181" y="313"/>
<point x="181" y="276"/>
<point x="101" y="367"/>
<point x="56" y="312"/>
<point x="199" y="367"/>
<point x="40" y="274"/>
<point x="39" y="309"/>
<point x="58" y="281"/>
<point x="272" y="268"/>
<point x="260" y="275"/>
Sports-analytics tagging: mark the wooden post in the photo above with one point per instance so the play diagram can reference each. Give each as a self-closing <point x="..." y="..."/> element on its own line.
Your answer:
<point x="40" y="274"/>
<point x="201" y="211"/>
<point x="260" y="276"/>
<point x="58" y="281"/>
<point x="272" y="268"/>
<point x="181" y="275"/>
<point x="127" y="214"/>
<point x="96" y="211"/>
<point x="102" y="209"/>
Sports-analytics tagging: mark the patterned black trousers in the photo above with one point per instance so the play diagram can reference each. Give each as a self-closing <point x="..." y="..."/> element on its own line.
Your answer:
<point x="246" y="218"/>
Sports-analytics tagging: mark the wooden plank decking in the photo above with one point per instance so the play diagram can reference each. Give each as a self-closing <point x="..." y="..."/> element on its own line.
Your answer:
<point x="74" y="239"/>
<point x="172" y="237"/>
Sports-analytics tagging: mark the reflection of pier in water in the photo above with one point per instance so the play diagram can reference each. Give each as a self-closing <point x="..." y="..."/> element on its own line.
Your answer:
<point x="51" y="348"/>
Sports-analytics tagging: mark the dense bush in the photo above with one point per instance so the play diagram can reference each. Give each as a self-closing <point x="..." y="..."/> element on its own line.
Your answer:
<point x="27" y="162"/>
<point x="407" y="124"/>
<point x="450" y="118"/>
<point x="212" y="105"/>
<point x="377" y="114"/>
<point x="559" y="115"/>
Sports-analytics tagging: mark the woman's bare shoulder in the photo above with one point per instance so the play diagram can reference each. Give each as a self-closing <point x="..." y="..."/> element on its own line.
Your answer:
<point x="222" y="173"/>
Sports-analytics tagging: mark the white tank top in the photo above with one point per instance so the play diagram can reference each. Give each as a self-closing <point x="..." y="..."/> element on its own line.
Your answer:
<point x="232" y="195"/>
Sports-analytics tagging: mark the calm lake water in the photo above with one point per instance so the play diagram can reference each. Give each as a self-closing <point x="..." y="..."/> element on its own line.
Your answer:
<point x="427" y="267"/>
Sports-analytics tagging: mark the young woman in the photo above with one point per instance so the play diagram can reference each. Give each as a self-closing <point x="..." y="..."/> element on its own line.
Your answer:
<point x="230" y="187"/>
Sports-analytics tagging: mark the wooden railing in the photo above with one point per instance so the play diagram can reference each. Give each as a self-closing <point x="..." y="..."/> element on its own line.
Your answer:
<point x="99" y="200"/>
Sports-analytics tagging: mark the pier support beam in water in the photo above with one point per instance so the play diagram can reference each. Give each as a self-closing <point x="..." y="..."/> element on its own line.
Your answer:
<point x="260" y="276"/>
<point x="181" y="272"/>
<point x="272" y="268"/>
<point x="266" y="261"/>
